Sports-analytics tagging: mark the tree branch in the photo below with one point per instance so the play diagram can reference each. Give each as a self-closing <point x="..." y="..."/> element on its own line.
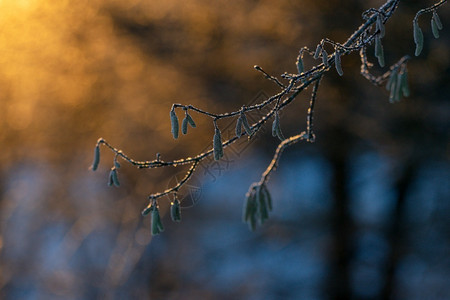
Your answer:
<point x="370" y="32"/>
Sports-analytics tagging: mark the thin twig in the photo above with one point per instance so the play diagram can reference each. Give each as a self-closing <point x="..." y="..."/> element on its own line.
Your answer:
<point x="295" y="84"/>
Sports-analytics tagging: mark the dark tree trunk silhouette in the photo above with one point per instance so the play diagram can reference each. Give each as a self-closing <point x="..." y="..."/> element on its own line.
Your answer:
<point x="395" y="231"/>
<point x="338" y="283"/>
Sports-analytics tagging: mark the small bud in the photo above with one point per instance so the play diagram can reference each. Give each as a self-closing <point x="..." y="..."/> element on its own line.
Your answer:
<point x="434" y="28"/>
<point x="337" y="63"/>
<point x="147" y="210"/>
<point x="404" y="83"/>
<point x="275" y="124"/>
<point x="239" y="127"/>
<point x="392" y="86"/>
<point x="418" y="38"/>
<point x="246" y="125"/>
<point x="325" y="58"/>
<point x="379" y="53"/>
<point x="394" y="89"/>
<point x="276" y="128"/>
<point x="110" y="179"/>
<point x="217" y="145"/>
<point x="184" y="125"/>
<point x="267" y="196"/>
<point x="299" y="64"/>
<point x="113" y="179"/>
<point x="247" y="209"/>
<point x="250" y="210"/>
<point x="116" y="164"/>
<point x="175" y="211"/>
<point x="318" y="51"/>
<point x="96" y="158"/>
<point x="190" y="121"/>
<point x="392" y="80"/>
<point x="157" y="226"/>
<point x="174" y="122"/>
<point x="392" y="94"/>
<point x="280" y="134"/>
<point x="437" y="20"/>
<point x="262" y="205"/>
<point x="398" y="88"/>
<point x="252" y="222"/>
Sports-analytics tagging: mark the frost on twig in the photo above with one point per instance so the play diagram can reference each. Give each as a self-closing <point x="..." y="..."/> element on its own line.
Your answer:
<point x="258" y="201"/>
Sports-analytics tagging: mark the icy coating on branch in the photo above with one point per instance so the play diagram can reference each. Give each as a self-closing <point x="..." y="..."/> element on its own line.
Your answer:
<point x="258" y="201"/>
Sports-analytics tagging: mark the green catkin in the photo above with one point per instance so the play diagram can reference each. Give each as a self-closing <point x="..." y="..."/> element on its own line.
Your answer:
<point x="155" y="229"/>
<point x="380" y="26"/>
<point x="175" y="211"/>
<point x="299" y="63"/>
<point x="113" y="179"/>
<point x="253" y="213"/>
<point x="275" y="124"/>
<point x="160" y="225"/>
<point x="96" y="158"/>
<point x="392" y="80"/>
<point x="239" y="127"/>
<point x="325" y="58"/>
<point x="267" y="196"/>
<point x="157" y="226"/>
<point x="246" y="212"/>
<point x="276" y="127"/>
<point x="392" y="85"/>
<point x="392" y="94"/>
<point x="398" y="88"/>
<point x="217" y="145"/>
<point x="437" y="20"/>
<point x="184" y="125"/>
<point x="190" y="121"/>
<point x="337" y="63"/>
<point x="110" y="179"/>
<point x="280" y="134"/>
<point x="250" y="210"/>
<point x="116" y="164"/>
<point x="252" y="222"/>
<point x="147" y="210"/>
<point x="434" y="28"/>
<point x="263" y="212"/>
<point x="247" y="127"/>
<point x="174" y="122"/>
<point x="262" y="205"/>
<point x="404" y="84"/>
<point x="394" y="89"/>
<point x="318" y="51"/>
<point x="379" y="53"/>
<point x="418" y="38"/>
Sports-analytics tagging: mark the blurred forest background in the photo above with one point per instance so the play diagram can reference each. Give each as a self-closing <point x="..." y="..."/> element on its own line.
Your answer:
<point x="363" y="213"/>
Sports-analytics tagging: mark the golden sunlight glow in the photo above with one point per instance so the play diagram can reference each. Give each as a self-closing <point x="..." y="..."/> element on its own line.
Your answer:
<point x="91" y="65"/>
<point x="16" y="4"/>
<point x="42" y="61"/>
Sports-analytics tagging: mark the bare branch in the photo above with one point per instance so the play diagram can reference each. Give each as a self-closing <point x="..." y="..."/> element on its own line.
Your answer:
<point x="370" y="32"/>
